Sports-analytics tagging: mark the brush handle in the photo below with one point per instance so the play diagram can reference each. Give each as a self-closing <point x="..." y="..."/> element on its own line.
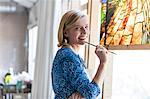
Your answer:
<point x="95" y="46"/>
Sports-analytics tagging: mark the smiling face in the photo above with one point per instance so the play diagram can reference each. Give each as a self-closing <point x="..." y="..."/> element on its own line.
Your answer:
<point x="78" y="33"/>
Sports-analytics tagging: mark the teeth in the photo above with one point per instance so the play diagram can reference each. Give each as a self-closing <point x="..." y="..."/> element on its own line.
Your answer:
<point x="82" y="38"/>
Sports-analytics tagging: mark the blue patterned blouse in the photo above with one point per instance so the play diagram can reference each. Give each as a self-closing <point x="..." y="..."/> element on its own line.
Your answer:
<point x="69" y="76"/>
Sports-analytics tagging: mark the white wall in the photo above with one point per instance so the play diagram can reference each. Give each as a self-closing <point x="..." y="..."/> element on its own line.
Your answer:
<point x="13" y="45"/>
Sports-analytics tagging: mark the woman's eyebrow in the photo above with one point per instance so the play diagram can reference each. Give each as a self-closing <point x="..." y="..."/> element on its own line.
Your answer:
<point x="77" y="25"/>
<point x="80" y="25"/>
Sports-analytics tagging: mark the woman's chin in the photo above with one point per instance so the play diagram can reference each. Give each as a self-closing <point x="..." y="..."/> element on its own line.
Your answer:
<point x="82" y="42"/>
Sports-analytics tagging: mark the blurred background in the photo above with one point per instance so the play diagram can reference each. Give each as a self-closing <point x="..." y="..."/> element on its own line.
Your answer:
<point x="28" y="43"/>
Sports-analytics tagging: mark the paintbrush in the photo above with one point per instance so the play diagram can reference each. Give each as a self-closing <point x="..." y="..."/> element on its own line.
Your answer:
<point x="95" y="46"/>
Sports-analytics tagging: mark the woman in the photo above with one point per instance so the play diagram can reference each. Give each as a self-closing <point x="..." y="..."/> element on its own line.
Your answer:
<point x="69" y="78"/>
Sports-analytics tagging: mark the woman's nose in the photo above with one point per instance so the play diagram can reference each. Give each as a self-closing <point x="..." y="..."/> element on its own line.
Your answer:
<point x="84" y="30"/>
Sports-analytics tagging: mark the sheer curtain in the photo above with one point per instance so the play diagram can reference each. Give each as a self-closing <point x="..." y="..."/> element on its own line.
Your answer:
<point x="46" y="48"/>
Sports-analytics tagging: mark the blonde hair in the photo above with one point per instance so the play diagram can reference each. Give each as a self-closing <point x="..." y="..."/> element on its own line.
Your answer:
<point x="67" y="21"/>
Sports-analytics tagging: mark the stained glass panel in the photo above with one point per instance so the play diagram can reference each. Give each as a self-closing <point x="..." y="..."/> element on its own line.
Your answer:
<point x="125" y="22"/>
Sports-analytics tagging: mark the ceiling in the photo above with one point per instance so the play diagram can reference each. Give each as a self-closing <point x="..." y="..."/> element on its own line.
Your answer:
<point x="5" y="0"/>
<point x="15" y="5"/>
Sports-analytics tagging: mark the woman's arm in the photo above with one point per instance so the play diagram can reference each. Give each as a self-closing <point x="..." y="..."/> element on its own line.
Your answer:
<point x="101" y="52"/>
<point x="75" y="74"/>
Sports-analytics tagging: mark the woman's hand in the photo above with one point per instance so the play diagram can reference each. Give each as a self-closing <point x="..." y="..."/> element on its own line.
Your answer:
<point x="101" y="52"/>
<point x="76" y="95"/>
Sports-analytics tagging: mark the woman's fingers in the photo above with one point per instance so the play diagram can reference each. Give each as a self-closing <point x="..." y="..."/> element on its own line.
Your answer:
<point x="100" y="49"/>
<point x="101" y="52"/>
<point x="76" y="95"/>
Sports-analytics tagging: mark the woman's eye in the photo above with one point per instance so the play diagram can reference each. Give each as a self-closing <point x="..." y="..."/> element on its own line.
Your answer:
<point x="77" y="28"/>
<point x="86" y="27"/>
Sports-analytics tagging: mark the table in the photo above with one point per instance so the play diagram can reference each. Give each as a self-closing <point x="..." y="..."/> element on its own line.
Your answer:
<point x="7" y="91"/>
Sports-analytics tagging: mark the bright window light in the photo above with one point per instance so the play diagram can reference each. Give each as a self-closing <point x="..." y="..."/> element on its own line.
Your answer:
<point x="7" y="8"/>
<point x="32" y="50"/>
<point x="131" y="72"/>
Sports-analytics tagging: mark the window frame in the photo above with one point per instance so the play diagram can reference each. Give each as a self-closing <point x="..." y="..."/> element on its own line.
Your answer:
<point x="93" y="11"/>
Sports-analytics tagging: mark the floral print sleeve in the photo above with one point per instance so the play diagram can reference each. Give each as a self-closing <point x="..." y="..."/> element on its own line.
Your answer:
<point x="74" y="71"/>
<point x="69" y="76"/>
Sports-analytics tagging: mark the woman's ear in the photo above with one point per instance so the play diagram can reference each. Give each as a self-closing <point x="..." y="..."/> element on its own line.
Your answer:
<point x="66" y="34"/>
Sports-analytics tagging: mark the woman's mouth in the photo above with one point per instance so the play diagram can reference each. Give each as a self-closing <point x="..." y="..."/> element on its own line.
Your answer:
<point x="82" y="38"/>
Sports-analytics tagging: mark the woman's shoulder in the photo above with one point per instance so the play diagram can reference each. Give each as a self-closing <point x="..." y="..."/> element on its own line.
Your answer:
<point x="66" y="53"/>
<point x="64" y="50"/>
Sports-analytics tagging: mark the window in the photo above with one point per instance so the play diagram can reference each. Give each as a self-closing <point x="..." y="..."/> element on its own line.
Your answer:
<point x="32" y="50"/>
<point x="130" y="76"/>
<point x="128" y="71"/>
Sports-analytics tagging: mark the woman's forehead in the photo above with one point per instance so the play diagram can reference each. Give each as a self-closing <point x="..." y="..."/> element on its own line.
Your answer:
<point x="81" y="21"/>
